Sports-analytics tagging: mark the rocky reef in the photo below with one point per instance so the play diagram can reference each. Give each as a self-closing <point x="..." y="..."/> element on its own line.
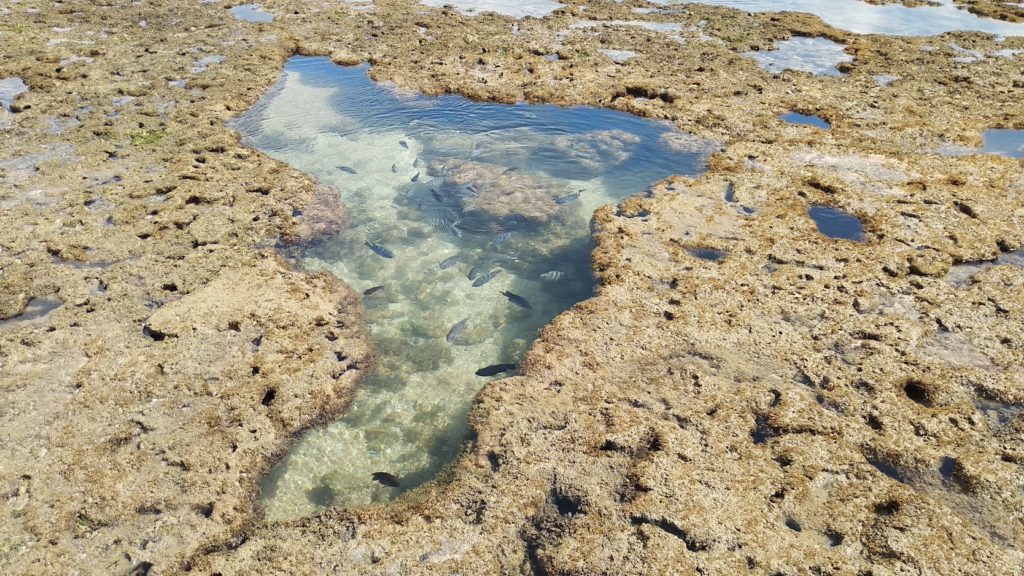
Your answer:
<point x="798" y="405"/>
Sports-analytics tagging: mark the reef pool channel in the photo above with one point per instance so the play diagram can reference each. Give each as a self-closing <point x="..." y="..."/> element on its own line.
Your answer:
<point x="468" y="229"/>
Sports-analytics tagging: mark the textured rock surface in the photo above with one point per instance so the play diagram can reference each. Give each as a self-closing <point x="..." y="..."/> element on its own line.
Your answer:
<point x="802" y="406"/>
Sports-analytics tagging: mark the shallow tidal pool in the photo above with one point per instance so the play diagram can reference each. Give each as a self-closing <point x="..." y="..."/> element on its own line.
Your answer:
<point x="468" y="230"/>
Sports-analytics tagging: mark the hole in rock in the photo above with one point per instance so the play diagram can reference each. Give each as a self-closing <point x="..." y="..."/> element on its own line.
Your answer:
<point x="916" y="391"/>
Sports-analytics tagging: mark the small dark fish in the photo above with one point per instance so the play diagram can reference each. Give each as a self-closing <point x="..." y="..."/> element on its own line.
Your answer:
<point x="495" y="369"/>
<point x="516" y="219"/>
<point x="437" y="195"/>
<point x="457" y="329"/>
<point x="386" y="479"/>
<point x="485" y="278"/>
<point x="394" y="168"/>
<point x="448" y="262"/>
<point x="552" y="276"/>
<point x="510" y="169"/>
<point x="380" y="250"/>
<point x="473" y="273"/>
<point x="416" y="162"/>
<point x="404" y="144"/>
<point x="730" y="193"/>
<point x="502" y="237"/>
<point x="374" y="290"/>
<point x="472" y="189"/>
<point x="416" y="178"/>
<point x="517" y="300"/>
<point x="568" y="198"/>
<point x="347" y="169"/>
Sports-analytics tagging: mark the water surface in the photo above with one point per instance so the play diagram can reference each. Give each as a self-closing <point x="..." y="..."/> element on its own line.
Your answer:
<point x="1004" y="142"/>
<point x="10" y="89"/>
<point x="819" y="56"/>
<point x="892" y="19"/>
<point x="514" y="8"/>
<point x="836" y="223"/>
<point x="445" y="190"/>
<point x="252" y="13"/>
<point x="806" y="120"/>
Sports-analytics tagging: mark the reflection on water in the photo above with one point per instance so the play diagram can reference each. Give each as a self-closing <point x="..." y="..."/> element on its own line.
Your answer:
<point x="467" y="231"/>
<point x="819" y="56"/>
<point x="806" y="120"/>
<point x="961" y="274"/>
<point x="252" y="13"/>
<point x="836" y="223"/>
<point x="861" y="17"/>
<point x="1003" y="141"/>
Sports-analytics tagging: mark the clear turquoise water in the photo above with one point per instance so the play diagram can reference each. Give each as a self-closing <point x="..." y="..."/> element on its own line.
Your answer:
<point x="502" y="188"/>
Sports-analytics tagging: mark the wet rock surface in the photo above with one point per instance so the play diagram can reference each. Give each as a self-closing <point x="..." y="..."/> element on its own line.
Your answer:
<point x="802" y="405"/>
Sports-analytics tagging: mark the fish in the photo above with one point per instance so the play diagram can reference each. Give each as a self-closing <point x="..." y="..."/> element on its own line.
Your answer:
<point x="394" y="168"/>
<point x="457" y="329"/>
<point x="498" y="257"/>
<point x="437" y="195"/>
<point x="495" y="369"/>
<point x="448" y="262"/>
<point x="415" y="178"/>
<point x="450" y="227"/>
<point x="374" y="290"/>
<point x="485" y="278"/>
<point x="416" y="162"/>
<point x="516" y="219"/>
<point x="473" y="273"/>
<point x="568" y="198"/>
<point x="473" y="189"/>
<point x="386" y="479"/>
<point x="510" y="169"/>
<point x="347" y="169"/>
<point x="380" y="250"/>
<point x="403" y="144"/>
<point x="552" y="276"/>
<point x="517" y="300"/>
<point x="501" y="237"/>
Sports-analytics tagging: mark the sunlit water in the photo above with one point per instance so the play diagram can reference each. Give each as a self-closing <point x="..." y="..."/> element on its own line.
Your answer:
<point x="819" y="56"/>
<point x="861" y="17"/>
<point x="507" y="190"/>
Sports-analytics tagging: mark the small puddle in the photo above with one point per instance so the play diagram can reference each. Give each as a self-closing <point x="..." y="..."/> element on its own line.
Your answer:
<point x="960" y="274"/>
<point x="710" y="254"/>
<point x="11" y="88"/>
<point x="819" y="56"/>
<point x="892" y="19"/>
<point x="468" y="230"/>
<point x="836" y="223"/>
<point x="252" y="13"/>
<point x="885" y="79"/>
<point x="37" y="310"/>
<point x="205" y="62"/>
<point x="1003" y="142"/>
<point x="513" y="8"/>
<point x="617" y="56"/>
<point x="805" y="120"/>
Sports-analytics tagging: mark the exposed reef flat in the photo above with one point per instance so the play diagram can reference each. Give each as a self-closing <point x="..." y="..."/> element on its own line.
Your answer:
<point x="801" y="405"/>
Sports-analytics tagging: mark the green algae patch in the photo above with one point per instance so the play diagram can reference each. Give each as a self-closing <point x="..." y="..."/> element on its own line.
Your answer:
<point x="147" y="137"/>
